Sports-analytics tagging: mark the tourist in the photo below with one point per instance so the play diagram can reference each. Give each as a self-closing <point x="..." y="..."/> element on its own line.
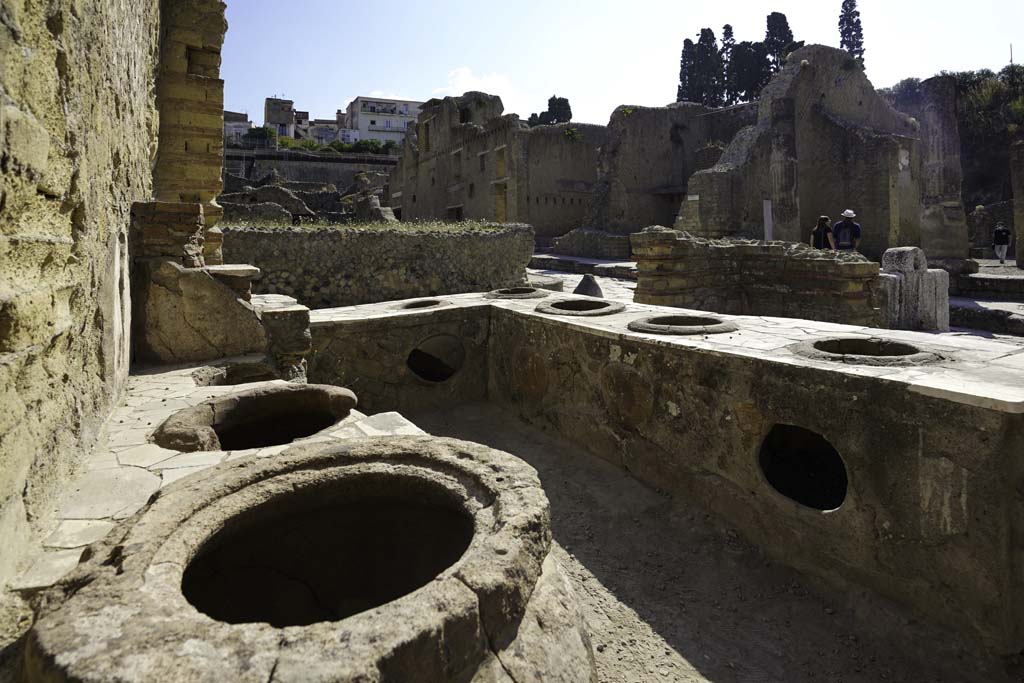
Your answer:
<point x="821" y="236"/>
<point x="846" y="233"/>
<point x="1001" y="239"/>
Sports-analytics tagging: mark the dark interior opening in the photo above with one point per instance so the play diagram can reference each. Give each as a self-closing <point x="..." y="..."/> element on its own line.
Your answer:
<point x="684" y="320"/>
<point x="304" y="558"/>
<point x="803" y="466"/>
<point x="437" y="358"/>
<point x="283" y="426"/>
<point x="580" y="305"/>
<point x="866" y="347"/>
<point x="422" y="303"/>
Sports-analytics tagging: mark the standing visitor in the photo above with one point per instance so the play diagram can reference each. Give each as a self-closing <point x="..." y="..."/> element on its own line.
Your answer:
<point x="821" y="236"/>
<point x="1001" y="239"/>
<point x="846" y="233"/>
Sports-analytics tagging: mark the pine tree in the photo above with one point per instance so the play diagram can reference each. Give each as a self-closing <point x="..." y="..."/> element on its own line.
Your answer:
<point x="728" y="41"/>
<point x="558" y="111"/>
<point x="777" y="39"/>
<point x="686" y="64"/>
<point x="851" y="34"/>
<point x="708" y="87"/>
<point x="748" y="71"/>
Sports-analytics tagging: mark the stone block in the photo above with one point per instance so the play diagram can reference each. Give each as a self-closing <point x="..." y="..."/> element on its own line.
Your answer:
<point x="26" y="142"/>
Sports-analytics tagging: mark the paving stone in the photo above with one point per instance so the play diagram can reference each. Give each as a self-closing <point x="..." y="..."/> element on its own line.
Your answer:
<point x="198" y="459"/>
<point x="47" y="569"/>
<point x="388" y="424"/>
<point x="171" y="476"/>
<point x="146" y="455"/>
<point x="104" y="493"/>
<point x="75" y="533"/>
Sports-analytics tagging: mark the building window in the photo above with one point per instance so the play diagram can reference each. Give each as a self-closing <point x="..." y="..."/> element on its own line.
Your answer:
<point x="483" y="162"/>
<point x="372" y="122"/>
<point x="387" y="124"/>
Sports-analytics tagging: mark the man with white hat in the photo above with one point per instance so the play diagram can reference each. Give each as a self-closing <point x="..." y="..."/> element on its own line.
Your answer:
<point x="846" y="232"/>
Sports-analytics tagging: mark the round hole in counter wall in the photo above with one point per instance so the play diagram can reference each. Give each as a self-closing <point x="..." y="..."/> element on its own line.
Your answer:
<point x="437" y="358"/>
<point x="865" y="347"/>
<point x="803" y="466"/>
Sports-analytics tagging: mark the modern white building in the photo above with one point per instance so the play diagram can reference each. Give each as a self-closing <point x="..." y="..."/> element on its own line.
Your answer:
<point x="377" y="118"/>
<point x="236" y="124"/>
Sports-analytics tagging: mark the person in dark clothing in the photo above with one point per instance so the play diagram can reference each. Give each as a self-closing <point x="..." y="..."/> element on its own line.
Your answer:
<point x="1001" y="239"/>
<point x="846" y="233"/>
<point x="821" y="236"/>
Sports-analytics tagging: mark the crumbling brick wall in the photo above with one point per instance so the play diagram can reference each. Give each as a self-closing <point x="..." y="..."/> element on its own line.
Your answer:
<point x="745" y="277"/>
<point x="77" y="126"/>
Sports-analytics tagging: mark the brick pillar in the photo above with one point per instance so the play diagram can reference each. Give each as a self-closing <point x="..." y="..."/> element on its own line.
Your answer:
<point x="168" y="230"/>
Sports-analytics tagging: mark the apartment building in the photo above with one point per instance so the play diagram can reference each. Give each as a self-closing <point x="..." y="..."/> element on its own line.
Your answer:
<point x="376" y="118"/>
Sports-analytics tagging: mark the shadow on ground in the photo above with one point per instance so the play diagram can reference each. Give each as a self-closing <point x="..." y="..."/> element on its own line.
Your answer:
<point x="672" y="594"/>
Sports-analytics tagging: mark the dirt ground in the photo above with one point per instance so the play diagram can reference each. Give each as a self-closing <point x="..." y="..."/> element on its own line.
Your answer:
<point x="672" y="594"/>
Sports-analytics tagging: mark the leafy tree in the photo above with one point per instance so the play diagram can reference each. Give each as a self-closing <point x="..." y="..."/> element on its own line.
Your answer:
<point x="748" y="71"/>
<point x="311" y="145"/>
<point x="684" y="93"/>
<point x="558" y="111"/>
<point x="778" y="39"/>
<point x="728" y="42"/>
<point x="708" y="87"/>
<point x="851" y="34"/>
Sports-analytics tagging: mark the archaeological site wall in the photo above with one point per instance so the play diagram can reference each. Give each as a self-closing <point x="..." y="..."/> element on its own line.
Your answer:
<point x="78" y="128"/>
<point x="339" y="266"/>
<point x="337" y="169"/>
<point x="466" y="160"/>
<point x="790" y="280"/>
<point x="650" y="155"/>
<point x="826" y="141"/>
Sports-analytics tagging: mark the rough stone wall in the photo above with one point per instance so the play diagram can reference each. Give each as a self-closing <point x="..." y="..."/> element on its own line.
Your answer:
<point x="645" y="165"/>
<point x="592" y="243"/>
<point x="77" y="132"/>
<point x="824" y="141"/>
<point x="340" y="173"/>
<point x="190" y="95"/>
<point x="757" y="278"/>
<point x="370" y="357"/>
<point x="926" y="520"/>
<point x="340" y="266"/>
<point x="1017" y="183"/>
<point x="465" y="160"/>
<point x="943" y="219"/>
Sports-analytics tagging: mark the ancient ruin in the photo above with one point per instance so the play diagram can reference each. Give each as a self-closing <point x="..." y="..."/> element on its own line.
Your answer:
<point x="259" y="429"/>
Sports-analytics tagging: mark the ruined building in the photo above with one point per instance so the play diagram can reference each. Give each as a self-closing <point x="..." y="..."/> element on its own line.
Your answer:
<point x="199" y="482"/>
<point x="464" y="159"/>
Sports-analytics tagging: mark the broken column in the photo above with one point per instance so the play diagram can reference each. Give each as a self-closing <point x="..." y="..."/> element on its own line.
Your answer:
<point x="289" y="341"/>
<point x="918" y="296"/>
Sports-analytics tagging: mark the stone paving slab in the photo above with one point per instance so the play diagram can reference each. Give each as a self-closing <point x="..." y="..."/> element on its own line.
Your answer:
<point x="125" y="469"/>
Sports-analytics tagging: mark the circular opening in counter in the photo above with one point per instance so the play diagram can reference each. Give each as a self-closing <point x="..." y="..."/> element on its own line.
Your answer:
<point x="437" y="358"/>
<point x="803" y="466"/>
<point x="326" y="553"/>
<point x="264" y="416"/>
<point x="580" y="307"/>
<point x="859" y="346"/>
<point x="419" y="303"/>
<point x="864" y="351"/>
<point x="682" y="324"/>
<point x="517" y="293"/>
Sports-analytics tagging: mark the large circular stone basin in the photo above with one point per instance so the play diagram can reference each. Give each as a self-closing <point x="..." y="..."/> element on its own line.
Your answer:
<point x="391" y="559"/>
<point x="269" y="415"/>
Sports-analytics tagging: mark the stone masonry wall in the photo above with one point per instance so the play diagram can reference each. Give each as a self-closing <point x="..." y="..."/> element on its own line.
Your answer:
<point x="742" y="277"/>
<point x="77" y="131"/>
<point x="1017" y="180"/>
<point x="330" y="267"/>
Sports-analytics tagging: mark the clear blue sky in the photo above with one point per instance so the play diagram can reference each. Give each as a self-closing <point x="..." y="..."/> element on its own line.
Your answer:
<point x="598" y="53"/>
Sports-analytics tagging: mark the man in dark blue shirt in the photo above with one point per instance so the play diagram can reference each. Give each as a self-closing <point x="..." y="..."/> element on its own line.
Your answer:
<point x="846" y="232"/>
<point x="1001" y="240"/>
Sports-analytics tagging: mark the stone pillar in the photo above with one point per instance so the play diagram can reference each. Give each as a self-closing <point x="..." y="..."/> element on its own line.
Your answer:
<point x="1017" y="183"/>
<point x="213" y="247"/>
<point x="919" y="296"/>
<point x="289" y="340"/>
<point x="168" y="230"/>
<point x="190" y="97"/>
<point x="944" y="232"/>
